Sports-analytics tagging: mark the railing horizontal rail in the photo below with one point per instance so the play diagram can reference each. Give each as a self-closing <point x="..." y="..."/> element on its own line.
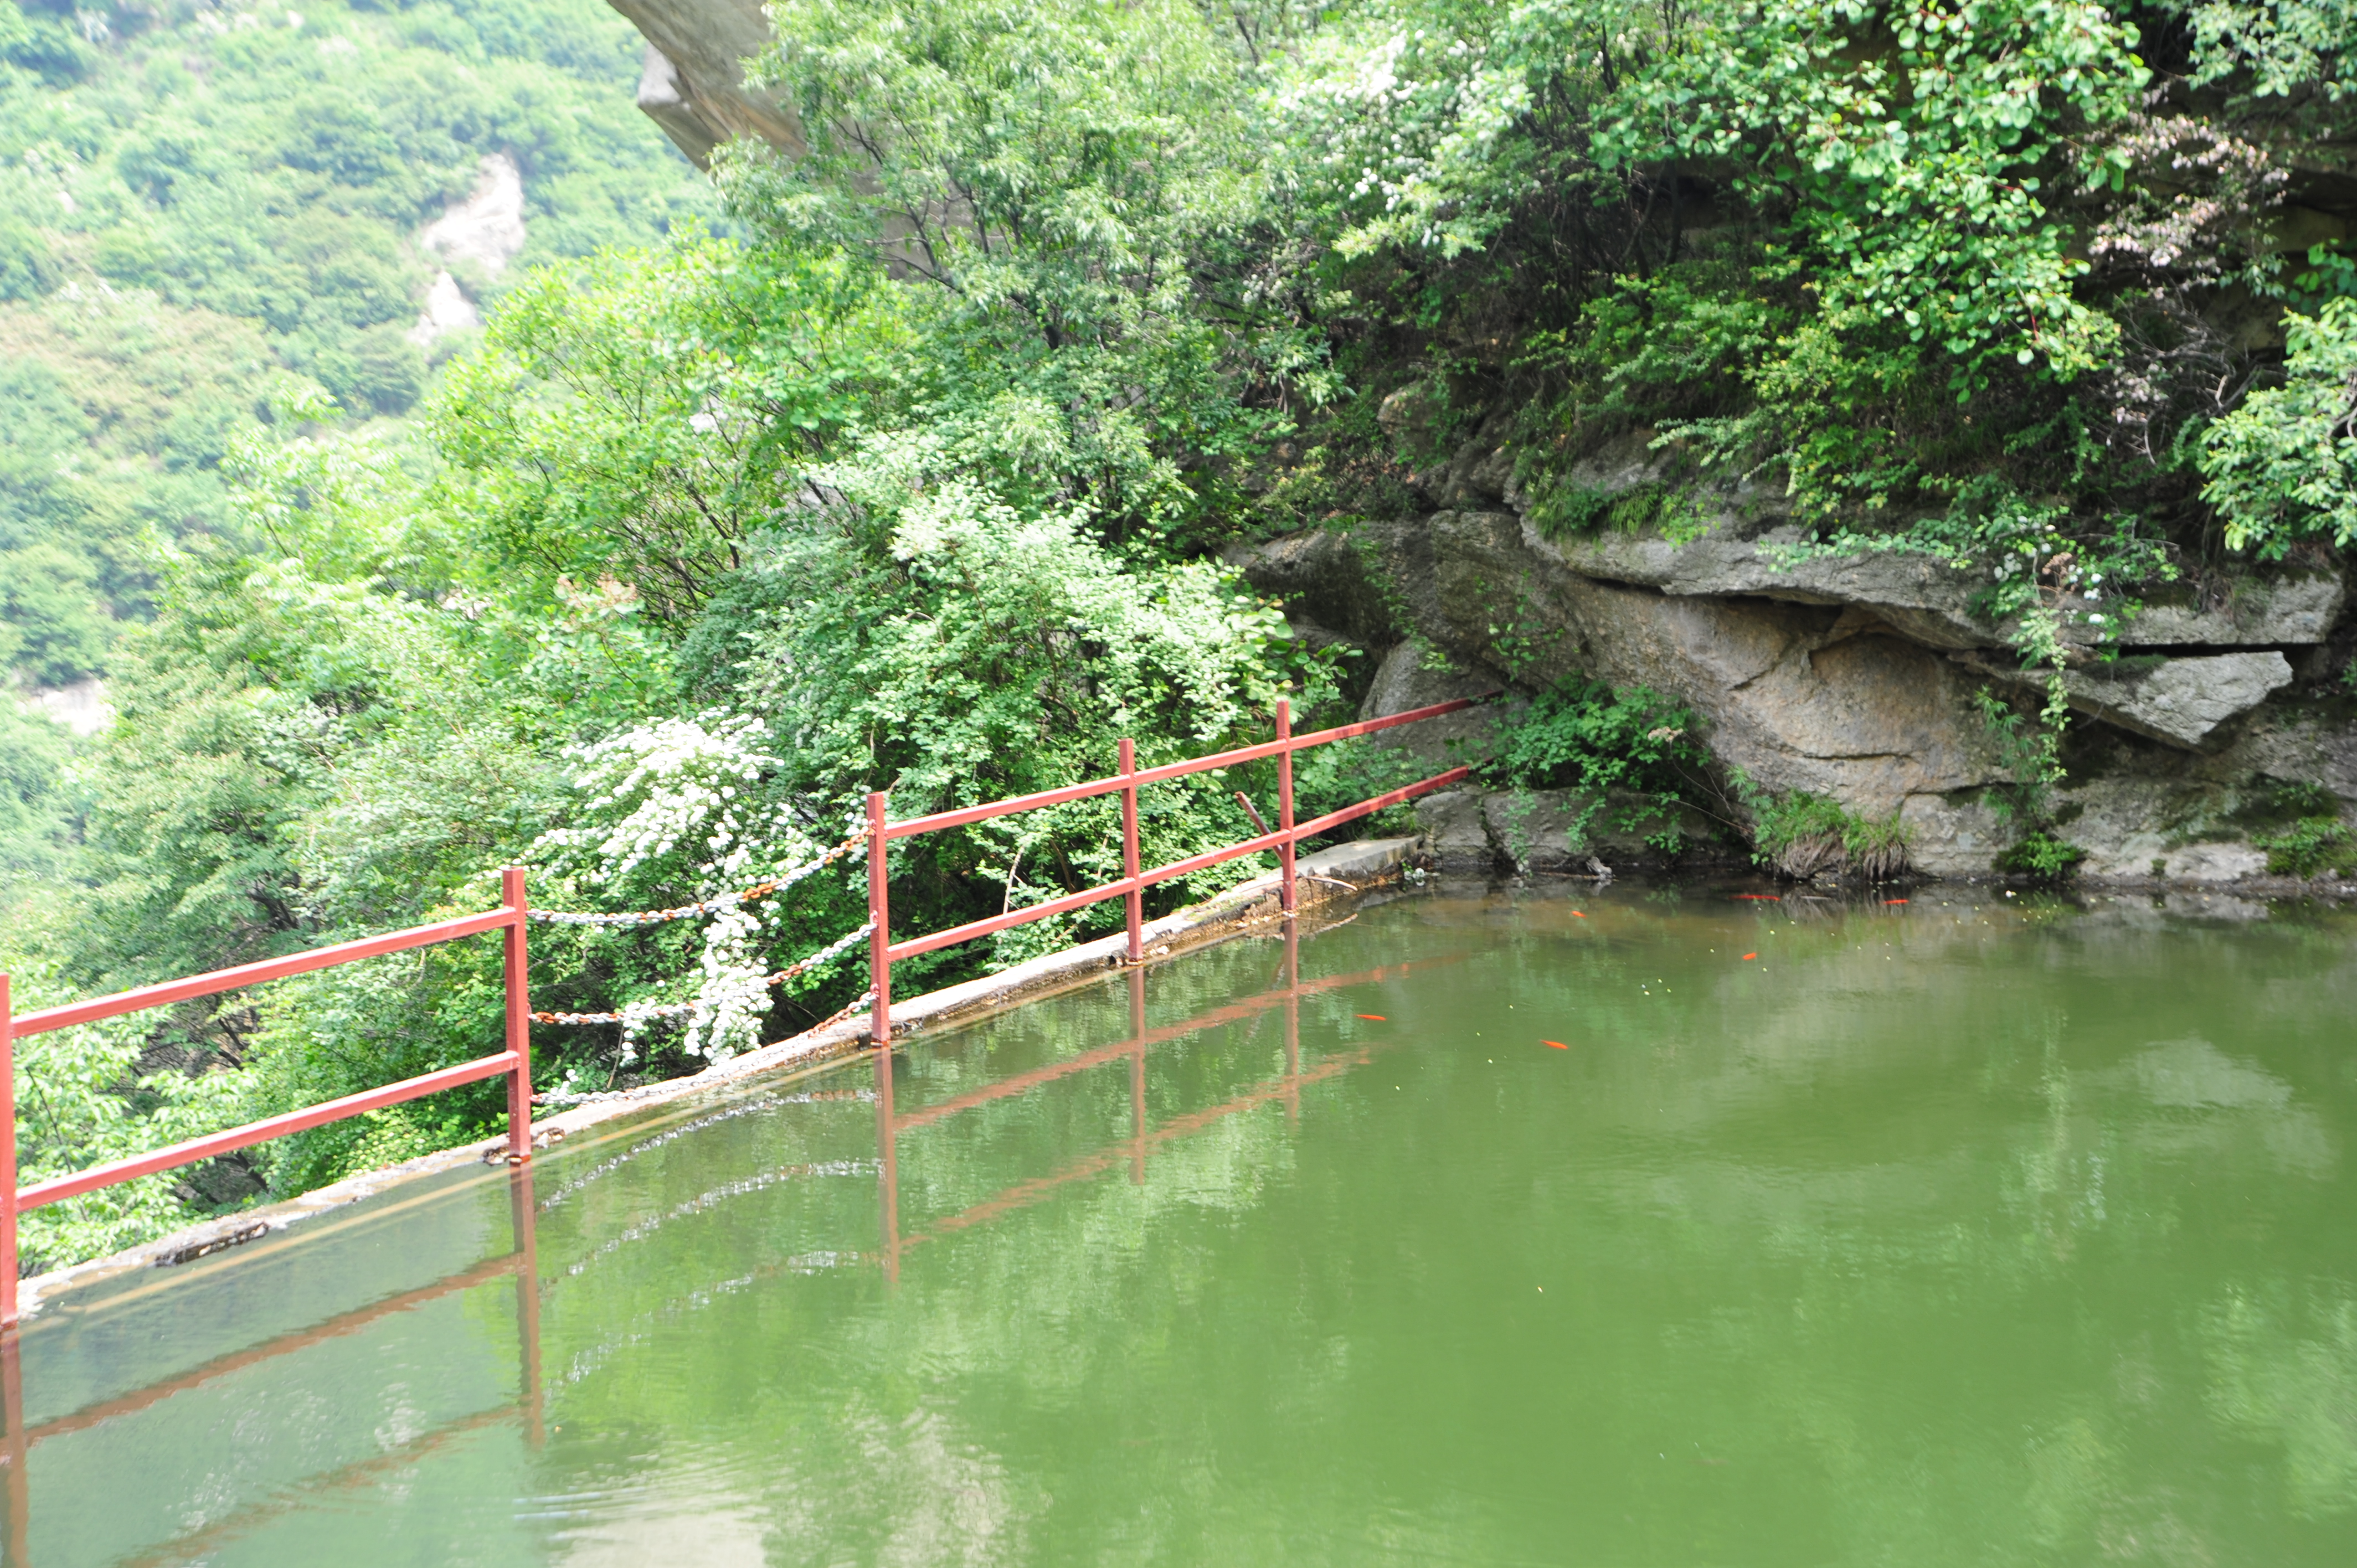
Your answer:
<point x="883" y="951"/>
<point x="1312" y="828"/>
<point x="1080" y="901"/>
<point x="964" y="815"/>
<point x="514" y="1063"/>
<point x="246" y="974"/>
<point x="214" y="1144"/>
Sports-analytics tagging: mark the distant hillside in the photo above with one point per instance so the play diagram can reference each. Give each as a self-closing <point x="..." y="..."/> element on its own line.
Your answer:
<point x="199" y="201"/>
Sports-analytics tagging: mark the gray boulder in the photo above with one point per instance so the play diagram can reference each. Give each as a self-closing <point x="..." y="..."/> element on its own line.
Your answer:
<point x="2287" y="607"/>
<point x="1914" y="595"/>
<point x="1456" y="833"/>
<point x="2141" y="827"/>
<point x="2182" y="703"/>
<point x="1555" y="831"/>
<point x="1326" y="578"/>
<point x="1929" y="601"/>
<point x="1404" y="681"/>
<point x="1800" y="696"/>
<point x="1959" y="834"/>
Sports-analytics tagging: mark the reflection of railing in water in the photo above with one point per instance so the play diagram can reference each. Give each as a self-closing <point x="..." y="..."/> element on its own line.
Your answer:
<point x="521" y="1262"/>
<point x="193" y="1546"/>
<point x="514" y="1062"/>
<point x="890" y="1124"/>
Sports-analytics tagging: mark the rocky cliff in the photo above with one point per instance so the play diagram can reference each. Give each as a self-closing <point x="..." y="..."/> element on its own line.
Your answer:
<point x="691" y="82"/>
<point x="1853" y="679"/>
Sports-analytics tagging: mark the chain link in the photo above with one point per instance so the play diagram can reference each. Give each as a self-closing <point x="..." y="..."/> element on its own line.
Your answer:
<point x="854" y="844"/>
<point x="681" y="1009"/>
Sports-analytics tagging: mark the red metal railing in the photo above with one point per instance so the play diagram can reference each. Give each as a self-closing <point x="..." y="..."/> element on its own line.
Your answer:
<point x="515" y="1062"/>
<point x="882" y="951"/>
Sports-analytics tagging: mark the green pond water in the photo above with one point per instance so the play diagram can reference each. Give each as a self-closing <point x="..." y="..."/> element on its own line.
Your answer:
<point x="1964" y="1230"/>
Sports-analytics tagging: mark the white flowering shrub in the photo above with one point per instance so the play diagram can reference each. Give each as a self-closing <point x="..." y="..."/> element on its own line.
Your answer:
<point x="677" y="811"/>
<point x="661" y="788"/>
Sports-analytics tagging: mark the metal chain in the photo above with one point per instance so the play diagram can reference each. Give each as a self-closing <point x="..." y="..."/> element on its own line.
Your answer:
<point x="854" y="844"/>
<point x="558" y="1098"/>
<point x="678" y="1009"/>
<point x="840" y="1014"/>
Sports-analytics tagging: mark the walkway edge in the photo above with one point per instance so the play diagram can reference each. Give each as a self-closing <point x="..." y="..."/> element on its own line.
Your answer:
<point x="1344" y="871"/>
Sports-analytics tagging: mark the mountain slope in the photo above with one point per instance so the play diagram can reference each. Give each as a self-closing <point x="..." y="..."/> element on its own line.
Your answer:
<point x="197" y="201"/>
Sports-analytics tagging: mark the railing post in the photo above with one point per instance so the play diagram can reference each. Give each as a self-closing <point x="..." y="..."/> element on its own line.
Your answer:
<point x="519" y="1018"/>
<point x="888" y="1167"/>
<point x="1285" y="806"/>
<point x="526" y="1216"/>
<point x="8" y="1157"/>
<point x="1135" y="900"/>
<point x="879" y="919"/>
<point x="21" y="1486"/>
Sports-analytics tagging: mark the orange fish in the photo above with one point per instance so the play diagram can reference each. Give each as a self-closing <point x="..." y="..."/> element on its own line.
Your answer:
<point x="1378" y="1017"/>
<point x="1763" y="897"/>
<point x="1888" y="902"/>
<point x="1580" y="914"/>
<point x="1750" y="956"/>
<point x="1559" y="1045"/>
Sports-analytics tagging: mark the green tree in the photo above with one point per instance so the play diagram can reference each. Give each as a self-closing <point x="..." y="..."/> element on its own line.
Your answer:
<point x="1076" y="184"/>
<point x="2283" y="466"/>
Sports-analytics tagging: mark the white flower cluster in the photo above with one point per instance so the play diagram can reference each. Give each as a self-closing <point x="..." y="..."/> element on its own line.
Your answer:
<point x="686" y="784"/>
<point x="1414" y="114"/>
<point x="677" y="782"/>
<point x="734" y="991"/>
<point x="723" y="1013"/>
